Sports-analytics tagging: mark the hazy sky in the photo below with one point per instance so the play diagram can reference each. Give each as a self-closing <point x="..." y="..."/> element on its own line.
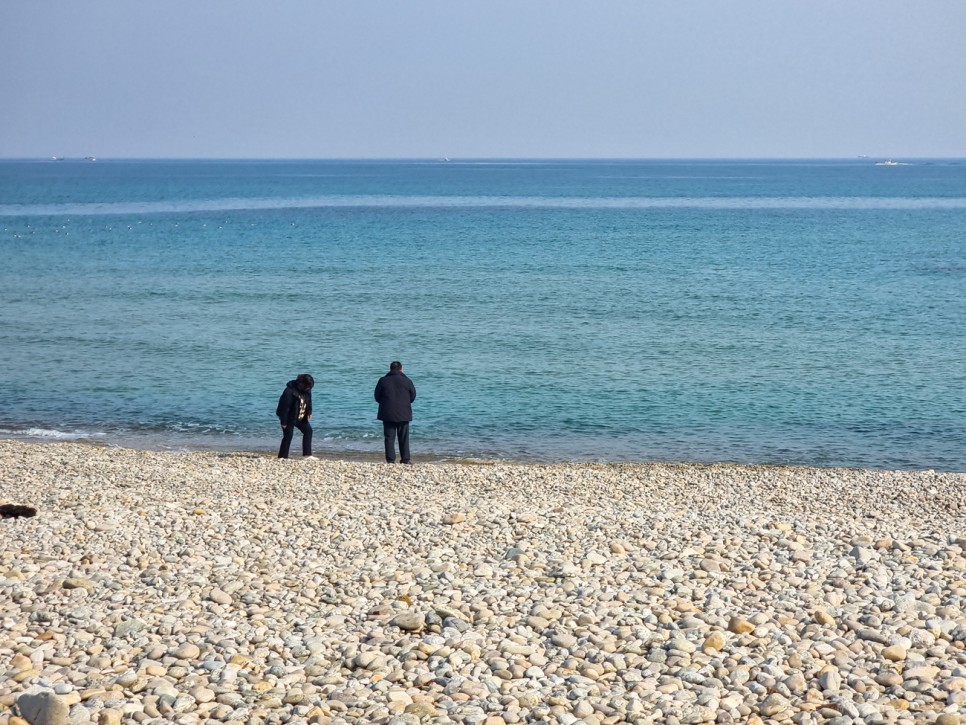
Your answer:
<point x="502" y="78"/>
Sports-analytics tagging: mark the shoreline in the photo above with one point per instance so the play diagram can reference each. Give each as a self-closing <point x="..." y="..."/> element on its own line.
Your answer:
<point x="346" y="455"/>
<point x="155" y="586"/>
<point x="376" y="456"/>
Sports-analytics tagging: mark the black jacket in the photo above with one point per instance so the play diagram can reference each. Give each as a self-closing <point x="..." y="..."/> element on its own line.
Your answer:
<point x="395" y="394"/>
<point x="288" y="405"/>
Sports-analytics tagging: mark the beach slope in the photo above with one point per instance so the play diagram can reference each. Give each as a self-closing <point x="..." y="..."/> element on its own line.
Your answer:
<point x="156" y="587"/>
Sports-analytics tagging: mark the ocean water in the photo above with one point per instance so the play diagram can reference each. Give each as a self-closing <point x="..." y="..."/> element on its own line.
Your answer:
<point x="752" y="311"/>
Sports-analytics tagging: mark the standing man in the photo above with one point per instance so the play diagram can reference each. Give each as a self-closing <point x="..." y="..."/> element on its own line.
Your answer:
<point x="294" y="411"/>
<point x="395" y="394"/>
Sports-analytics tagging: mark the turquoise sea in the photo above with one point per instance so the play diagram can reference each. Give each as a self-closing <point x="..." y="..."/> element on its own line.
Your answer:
<point x="798" y="312"/>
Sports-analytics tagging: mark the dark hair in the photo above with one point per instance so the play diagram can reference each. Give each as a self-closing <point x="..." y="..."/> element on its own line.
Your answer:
<point x="395" y="365"/>
<point x="305" y="381"/>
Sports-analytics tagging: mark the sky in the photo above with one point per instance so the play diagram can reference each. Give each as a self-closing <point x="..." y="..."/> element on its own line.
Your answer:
<point x="495" y="79"/>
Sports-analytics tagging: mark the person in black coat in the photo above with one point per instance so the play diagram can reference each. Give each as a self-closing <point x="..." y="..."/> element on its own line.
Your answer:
<point x="395" y="394"/>
<point x="294" y="411"/>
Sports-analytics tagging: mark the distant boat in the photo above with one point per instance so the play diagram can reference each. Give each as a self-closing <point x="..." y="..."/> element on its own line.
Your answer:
<point x="890" y="162"/>
<point x="89" y="158"/>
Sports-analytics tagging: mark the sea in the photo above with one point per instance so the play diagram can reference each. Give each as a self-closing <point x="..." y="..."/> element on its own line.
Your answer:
<point x="768" y="312"/>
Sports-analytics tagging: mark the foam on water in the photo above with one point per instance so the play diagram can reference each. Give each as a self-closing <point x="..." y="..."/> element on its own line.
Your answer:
<point x="49" y="434"/>
<point x="458" y="202"/>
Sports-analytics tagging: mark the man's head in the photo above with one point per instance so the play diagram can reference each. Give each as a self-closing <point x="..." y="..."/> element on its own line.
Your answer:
<point x="395" y="366"/>
<point x="304" y="382"/>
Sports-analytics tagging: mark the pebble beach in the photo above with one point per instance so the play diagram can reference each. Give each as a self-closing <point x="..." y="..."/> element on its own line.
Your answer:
<point x="233" y="587"/>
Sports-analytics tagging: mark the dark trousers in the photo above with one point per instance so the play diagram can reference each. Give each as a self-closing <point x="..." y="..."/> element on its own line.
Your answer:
<point x="390" y="432"/>
<point x="289" y="431"/>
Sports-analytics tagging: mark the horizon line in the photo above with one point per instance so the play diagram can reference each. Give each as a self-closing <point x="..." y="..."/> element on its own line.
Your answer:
<point x="443" y="159"/>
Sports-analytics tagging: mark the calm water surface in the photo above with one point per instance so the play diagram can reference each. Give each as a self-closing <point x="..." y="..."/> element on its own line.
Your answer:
<point x="783" y="312"/>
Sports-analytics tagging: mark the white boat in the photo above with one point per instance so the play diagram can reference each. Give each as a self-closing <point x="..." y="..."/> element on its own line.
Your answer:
<point x="890" y="162"/>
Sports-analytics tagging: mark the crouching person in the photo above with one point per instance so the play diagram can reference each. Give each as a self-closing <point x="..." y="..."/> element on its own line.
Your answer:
<point x="295" y="411"/>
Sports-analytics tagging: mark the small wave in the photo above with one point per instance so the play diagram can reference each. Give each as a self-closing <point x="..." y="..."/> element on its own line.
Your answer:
<point x="50" y="434"/>
<point x="122" y="208"/>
